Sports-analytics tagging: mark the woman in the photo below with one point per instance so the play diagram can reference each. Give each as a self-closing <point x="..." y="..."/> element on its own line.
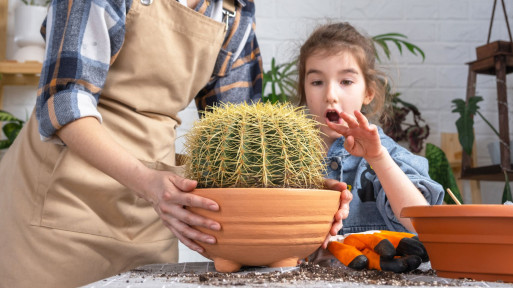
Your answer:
<point x="80" y="206"/>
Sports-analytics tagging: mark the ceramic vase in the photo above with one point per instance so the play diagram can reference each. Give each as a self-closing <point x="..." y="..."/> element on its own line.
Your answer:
<point x="27" y="35"/>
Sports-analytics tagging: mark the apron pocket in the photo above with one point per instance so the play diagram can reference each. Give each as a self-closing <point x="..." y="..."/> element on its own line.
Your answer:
<point x="83" y="199"/>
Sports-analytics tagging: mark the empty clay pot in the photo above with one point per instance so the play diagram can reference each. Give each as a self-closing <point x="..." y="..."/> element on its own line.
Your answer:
<point x="271" y="227"/>
<point x="466" y="241"/>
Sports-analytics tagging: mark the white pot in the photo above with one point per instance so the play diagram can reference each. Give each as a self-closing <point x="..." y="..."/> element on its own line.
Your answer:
<point x="27" y="26"/>
<point x="495" y="152"/>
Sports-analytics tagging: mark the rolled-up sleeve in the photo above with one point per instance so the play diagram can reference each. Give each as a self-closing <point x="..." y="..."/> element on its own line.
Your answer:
<point x="416" y="168"/>
<point x="83" y="39"/>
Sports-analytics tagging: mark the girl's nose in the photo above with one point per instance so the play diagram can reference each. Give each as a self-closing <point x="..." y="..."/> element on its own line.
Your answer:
<point x="331" y="94"/>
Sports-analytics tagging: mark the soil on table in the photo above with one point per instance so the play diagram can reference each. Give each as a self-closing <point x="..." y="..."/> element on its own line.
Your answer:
<point x="307" y="272"/>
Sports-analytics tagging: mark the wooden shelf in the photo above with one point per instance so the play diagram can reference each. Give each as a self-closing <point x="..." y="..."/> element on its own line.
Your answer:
<point x="15" y="73"/>
<point x="486" y="65"/>
<point x="499" y="63"/>
<point x="11" y="67"/>
<point x="485" y="173"/>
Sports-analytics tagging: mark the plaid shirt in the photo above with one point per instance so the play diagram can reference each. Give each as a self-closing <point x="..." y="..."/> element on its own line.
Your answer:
<point x="84" y="38"/>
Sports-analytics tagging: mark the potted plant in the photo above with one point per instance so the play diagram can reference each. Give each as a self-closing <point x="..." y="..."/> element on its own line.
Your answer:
<point x="395" y="121"/>
<point x="465" y="126"/>
<point x="440" y="170"/>
<point x="282" y="79"/>
<point x="263" y="165"/>
<point x="10" y="129"/>
<point x="28" y="18"/>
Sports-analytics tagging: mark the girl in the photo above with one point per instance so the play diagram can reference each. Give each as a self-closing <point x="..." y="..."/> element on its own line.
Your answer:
<point x="340" y="86"/>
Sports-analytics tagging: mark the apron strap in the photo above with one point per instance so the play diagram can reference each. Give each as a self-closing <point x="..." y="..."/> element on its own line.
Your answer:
<point x="229" y="5"/>
<point x="228" y="11"/>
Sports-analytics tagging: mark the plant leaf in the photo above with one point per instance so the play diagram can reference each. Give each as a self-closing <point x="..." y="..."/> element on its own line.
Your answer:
<point x="506" y="194"/>
<point x="11" y="130"/>
<point x="398" y="40"/>
<point x="465" y="123"/>
<point x="8" y="117"/>
<point x="5" y="143"/>
<point x="441" y="172"/>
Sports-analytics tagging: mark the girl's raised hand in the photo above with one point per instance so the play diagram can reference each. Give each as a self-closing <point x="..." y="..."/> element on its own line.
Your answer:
<point x="362" y="139"/>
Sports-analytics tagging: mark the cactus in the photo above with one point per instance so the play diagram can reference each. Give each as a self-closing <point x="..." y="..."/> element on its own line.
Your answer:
<point x="259" y="145"/>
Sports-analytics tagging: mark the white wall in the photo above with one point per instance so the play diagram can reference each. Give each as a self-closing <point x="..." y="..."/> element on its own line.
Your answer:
<point x="447" y="31"/>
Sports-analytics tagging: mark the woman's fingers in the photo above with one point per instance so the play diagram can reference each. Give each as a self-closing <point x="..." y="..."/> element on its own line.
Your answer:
<point x="185" y="240"/>
<point x="191" y="200"/>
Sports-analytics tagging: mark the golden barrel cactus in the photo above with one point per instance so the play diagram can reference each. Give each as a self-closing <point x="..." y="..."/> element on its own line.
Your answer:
<point x="258" y="145"/>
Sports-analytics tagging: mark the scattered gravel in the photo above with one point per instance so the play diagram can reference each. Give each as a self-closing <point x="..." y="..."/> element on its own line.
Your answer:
<point x="310" y="273"/>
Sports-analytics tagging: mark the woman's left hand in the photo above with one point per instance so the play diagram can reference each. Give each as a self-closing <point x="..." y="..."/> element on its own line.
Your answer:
<point x="343" y="209"/>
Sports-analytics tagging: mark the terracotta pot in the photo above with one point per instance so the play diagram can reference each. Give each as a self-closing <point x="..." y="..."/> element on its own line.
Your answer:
<point x="266" y="227"/>
<point x="467" y="241"/>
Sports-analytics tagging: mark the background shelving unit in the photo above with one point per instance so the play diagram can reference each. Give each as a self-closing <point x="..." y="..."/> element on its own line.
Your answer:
<point x="12" y="72"/>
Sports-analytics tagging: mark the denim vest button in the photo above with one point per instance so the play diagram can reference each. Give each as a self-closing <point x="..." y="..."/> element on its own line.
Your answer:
<point x="334" y="165"/>
<point x="146" y="2"/>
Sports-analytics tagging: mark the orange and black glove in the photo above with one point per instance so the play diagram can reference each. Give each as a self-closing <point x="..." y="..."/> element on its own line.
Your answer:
<point x="380" y="250"/>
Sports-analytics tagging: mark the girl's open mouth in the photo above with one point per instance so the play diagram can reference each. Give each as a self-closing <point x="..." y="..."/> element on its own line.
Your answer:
<point x="333" y="116"/>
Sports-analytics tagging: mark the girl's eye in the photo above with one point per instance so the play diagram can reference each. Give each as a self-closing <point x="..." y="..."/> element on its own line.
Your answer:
<point x="346" y="82"/>
<point x="316" y="83"/>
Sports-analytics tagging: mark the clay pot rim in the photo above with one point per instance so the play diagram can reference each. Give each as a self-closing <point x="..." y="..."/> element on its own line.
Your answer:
<point x="260" y="189"/>
<point x="465" y="210"/>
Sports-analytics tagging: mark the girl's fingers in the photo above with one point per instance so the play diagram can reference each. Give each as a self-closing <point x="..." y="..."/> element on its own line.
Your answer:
<point x="362" y="120"/>
<point x="351" y="121"/>
<point x="339" y="128"/>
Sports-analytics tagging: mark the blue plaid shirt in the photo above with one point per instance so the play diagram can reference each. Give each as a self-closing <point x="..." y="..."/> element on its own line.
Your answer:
<point x="84" y="37"/>
<point x="370" y="209"/>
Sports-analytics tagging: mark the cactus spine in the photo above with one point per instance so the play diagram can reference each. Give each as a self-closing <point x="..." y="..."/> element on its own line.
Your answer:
<point x="259" y="145"/>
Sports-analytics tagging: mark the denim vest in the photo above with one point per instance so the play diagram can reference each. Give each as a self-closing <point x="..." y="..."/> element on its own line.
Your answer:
<point x="370" y="209"/>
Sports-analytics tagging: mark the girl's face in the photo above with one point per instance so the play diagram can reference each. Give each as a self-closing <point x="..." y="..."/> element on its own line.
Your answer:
<point x="334" y="83"/>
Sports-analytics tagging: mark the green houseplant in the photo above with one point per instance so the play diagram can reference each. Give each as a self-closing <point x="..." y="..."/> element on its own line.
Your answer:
<point x="440" y="170"/>
<point x="465" y="126"/>
<point x="10" y="129"/>
<point x="36" y="3"/>
<point x="395" y="121"/>
<point x="263" y="165"/>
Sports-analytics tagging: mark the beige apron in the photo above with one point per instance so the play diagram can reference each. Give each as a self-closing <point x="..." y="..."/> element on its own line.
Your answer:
<point x="51" y="198"/>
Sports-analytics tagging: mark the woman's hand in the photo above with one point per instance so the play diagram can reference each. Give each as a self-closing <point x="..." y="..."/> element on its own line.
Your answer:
<point x="362" y="139"/>
<point x="343" y="209"/>
<point x="169" y="194"/>
<point x="167" y="191"/>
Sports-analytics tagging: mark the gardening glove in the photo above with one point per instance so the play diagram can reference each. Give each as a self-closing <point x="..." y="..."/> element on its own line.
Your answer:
<point x="381" y="250"/>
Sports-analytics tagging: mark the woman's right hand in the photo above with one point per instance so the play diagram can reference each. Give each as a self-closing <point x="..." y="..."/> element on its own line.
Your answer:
<point x="169" y="194"/>
<point x="167" y="191"/>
